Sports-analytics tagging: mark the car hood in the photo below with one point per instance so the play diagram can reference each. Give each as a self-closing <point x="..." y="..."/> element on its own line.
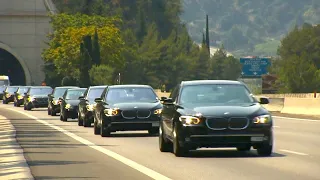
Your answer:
<point x="137" y="105"/>
<point x="73" y="102"/>
<point x="242" y="110"/>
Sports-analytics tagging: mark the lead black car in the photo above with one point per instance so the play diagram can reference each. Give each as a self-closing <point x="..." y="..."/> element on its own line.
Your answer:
<point x="125" y="108"/>
<point x="213" y="113"/>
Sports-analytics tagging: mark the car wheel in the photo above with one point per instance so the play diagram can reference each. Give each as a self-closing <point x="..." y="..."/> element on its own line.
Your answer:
<point x="244" y="148"/>
<point x="265" y="150"/>
<point x="80" y="120"/>
<point x="153" y="131"/>
<point x="24" y="107"/>
<point x="164" y="144"/>
<point x="104" y="132"/>
<point x="96" y="129"/>
<point x="178" y="150"/>
<point x="64" y="117"/>
<point x="86" y="122"/>
<point x="15" y="103"/>
<point x="61" y="116"/>
<point x="53" y="112"/>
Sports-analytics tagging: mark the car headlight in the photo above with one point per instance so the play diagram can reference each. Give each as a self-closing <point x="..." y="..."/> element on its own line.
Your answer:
<point x="263" y="119"/>
<point x="55" y="102"/>
<point x="31" y="99"/>
<point x="90" y="107"/>
<point x="20" y="97"/>
<point x="111" y="112"/>
<point x="158" y="111"/>
<point x="68" y="106"/>
<point x="188" y="120"/>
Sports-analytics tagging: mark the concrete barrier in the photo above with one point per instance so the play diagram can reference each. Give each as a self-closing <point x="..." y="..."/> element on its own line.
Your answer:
<point x="305" y="106"/>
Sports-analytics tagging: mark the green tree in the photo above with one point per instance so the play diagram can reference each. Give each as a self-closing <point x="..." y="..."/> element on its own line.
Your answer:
<point x="85" y="63"/>
<point x="101" y="74"/>
<point x="207" y="33"/>
<point x="96" y="59"/>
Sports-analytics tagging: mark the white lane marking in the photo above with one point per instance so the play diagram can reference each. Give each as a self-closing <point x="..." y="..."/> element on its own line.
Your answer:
<point x="296" y="119"/>
<point x="124" y="160"/>
<point x="293" y="152"/>
<point x="276" y="126"/>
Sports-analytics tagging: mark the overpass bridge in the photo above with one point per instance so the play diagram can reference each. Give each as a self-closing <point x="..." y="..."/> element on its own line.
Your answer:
<point x="24" y="25"/>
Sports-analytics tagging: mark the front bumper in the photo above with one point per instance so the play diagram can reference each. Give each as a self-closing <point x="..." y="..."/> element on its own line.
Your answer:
<point x="36" y="104"/>
<point x="10" y="98"/>
<point x="199" y="137"/>
<point x="72" y="112"/>
<point x="56" y="108"/>
<point x="19" y="102"/>
<point x="117" y="123"/>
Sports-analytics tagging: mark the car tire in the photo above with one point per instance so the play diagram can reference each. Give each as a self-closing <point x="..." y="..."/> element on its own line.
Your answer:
<point x="244" y="148"/>
<point x="265" y="150"/>
<point x="96" y="129"/>
<point x="64" y="117"/>
<point x="178" y="150"/>
<point x="164" y="144"/>
<point x="53" y="112"/>
<point x="60" y="116"/>
<point x="49" y="111"/>
<point x="104" y="132"/>
<point x="86" y="122"/>
<point x="153" y="131"/>
<point x="24" y="107"/>
<point x="80" y="120"/>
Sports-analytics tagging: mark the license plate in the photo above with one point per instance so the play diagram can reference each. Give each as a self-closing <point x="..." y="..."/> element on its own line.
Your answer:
<point x="256" y="138"/>
<point x="155" y="124"/>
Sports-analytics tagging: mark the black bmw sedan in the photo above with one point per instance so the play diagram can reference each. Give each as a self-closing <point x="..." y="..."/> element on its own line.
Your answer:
<point x="69" y="103"/>
<point x="36" y="97"/>
<point x="214" y="113"/>
<point x="127" y="108"/>
<point x="18" y="95"/>
<point x="8" y="94"/>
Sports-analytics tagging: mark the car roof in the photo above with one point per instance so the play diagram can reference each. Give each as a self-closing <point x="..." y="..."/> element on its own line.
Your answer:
<point x="41" y="87"/>
<point x="201" y="82"/>
<point x="102" y="86"/>
<point x="76" y="89"/>
<point x="63" y="87"/>
<point x="13" y="86"/>
<point x="130" y="85"/>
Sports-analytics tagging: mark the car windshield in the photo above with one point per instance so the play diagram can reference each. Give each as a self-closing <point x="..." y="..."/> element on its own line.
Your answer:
<point x="94" y="93"/>
<point x="59" y="92"/>
<point x="23" y="90"/>
<point x="123" y="95"/>
<point x="215" y="94"/>
<point x="12" y="89"/>
<point x="4" y="82"/>
<point x="74" y="94"/>
<point x="40" y="91"/>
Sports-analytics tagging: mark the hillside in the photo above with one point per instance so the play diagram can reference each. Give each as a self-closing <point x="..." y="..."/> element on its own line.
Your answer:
<point x="248" y="27"/>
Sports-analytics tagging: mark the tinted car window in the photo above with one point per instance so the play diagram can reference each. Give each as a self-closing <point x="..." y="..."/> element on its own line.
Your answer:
<point x="94" y="93"/>
<point x="40" y="91"/>
<point x="59" y="92"/>
<point x="215" y="94"/>
<point x="12" y="89"/>
<point x="74" y="94"/>
<point x="121" y="95"/>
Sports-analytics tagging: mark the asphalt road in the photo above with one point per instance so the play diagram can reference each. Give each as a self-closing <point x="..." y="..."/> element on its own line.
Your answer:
<point x="62" y="150"/>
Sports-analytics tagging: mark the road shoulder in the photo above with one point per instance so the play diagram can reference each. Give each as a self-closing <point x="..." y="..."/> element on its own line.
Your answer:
<point x="13" y="164"/>
<point x="297" y="116"/>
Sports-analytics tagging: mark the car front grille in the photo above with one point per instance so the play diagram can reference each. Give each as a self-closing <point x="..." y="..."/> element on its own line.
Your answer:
<point x="131" y="114"/>
<point x="42" y="100"/>
<point x="233" y="123"/>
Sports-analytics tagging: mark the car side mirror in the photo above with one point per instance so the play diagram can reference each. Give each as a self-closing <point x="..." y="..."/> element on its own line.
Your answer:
<point x="264" y="100"/>
<point x="26" y="94"/>
<point x="163" y="98"/>
<point x="81" y="98"/>
<point x="97" y="100"/>
<point x="168" y="101"/>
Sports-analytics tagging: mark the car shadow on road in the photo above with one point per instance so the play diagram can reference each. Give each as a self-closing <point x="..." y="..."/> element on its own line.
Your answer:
<point x="229" y="154"/>
<point x="132" y="135"/>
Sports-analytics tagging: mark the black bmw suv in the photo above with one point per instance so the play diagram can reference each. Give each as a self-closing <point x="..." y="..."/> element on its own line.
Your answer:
<point x="127" y="108"/>
<point x="36" y="97"/>
<point x="87" y="105"/>
<point x="8" y="94"/>
<point x="18" y="95"/>
<point x="53" y="99"/>
<point x="214" y="113"/>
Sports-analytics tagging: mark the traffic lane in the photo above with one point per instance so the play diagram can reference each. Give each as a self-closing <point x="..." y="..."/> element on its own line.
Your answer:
<point x="227" y="164"/>
<point x="53" y="155"/>
<point x="299" y="136"/>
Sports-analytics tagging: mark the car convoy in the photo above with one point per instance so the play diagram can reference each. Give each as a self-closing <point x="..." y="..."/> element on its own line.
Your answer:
<point x="197" y="114"/>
